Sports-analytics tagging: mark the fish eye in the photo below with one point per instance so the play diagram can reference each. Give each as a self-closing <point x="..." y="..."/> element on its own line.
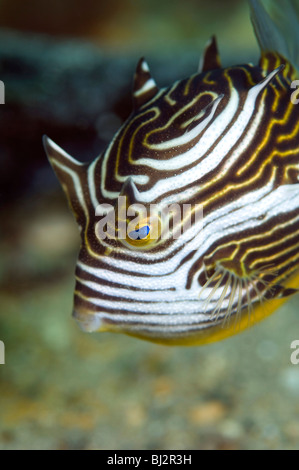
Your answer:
<point x="140" y="233"/>
<point x="145" y="234"/>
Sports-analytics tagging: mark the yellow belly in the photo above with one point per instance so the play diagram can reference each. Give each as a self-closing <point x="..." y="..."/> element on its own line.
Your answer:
<point x="217" y="333"/>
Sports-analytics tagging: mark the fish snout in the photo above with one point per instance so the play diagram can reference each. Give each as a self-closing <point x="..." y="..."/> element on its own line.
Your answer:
<point x="89" y="322"/>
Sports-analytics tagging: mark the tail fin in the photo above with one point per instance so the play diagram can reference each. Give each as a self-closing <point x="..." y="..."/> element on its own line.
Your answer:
<point x="276" y="25"/>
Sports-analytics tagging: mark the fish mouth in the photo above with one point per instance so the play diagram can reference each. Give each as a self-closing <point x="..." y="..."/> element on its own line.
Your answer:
<point x="89" y="322"/>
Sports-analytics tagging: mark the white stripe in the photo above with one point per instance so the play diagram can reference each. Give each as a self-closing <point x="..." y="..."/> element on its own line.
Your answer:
<point x="62" y="152"/>
<point x="183" y="139"/>
<point x="243" y="212"/>
<point x="144" y="66"/>
<point x="140" y="296"/>
<point x="149" y="84"/>
<point x="164" y="325"/>
<point x="77" y="186"/>
<point x="91" y="183"/>
<point x="213" y="132"/>
<point x="212" y="160"/>
<point x="177" y="309"/>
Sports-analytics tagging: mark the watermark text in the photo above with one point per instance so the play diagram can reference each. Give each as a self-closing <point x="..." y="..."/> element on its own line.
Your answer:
<point x="2" y="92"/>
<point x="2" y="353"/>
<point x="294" y="358"/>
<point x="295" y="94"/>
<point x="139" y="222"/>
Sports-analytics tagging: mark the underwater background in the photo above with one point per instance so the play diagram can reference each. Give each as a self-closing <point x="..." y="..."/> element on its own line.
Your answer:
<point x="67" y="67"/>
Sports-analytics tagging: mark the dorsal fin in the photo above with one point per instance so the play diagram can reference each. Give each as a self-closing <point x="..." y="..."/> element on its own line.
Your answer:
<point x="210" y="58"/>
<point x="145" y="87"/>
<point x="276" y="26"/>
<point x="266" y="31"/>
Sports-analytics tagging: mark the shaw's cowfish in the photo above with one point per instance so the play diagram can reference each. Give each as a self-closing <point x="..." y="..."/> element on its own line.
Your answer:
<point x="225" y="144"/>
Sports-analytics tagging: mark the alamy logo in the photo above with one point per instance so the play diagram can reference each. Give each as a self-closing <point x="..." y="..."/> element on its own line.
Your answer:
<point x="295" y="354"/>
<point x="295" y="94"/>
<point x="2" y="353"/>
<point x="138" y="222"/>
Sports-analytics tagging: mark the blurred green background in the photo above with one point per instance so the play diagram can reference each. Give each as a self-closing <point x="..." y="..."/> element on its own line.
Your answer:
<point x="67" y="68"/>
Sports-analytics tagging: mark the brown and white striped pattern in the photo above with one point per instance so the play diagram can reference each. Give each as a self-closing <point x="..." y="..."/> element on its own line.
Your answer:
<point x="224" y="138"/>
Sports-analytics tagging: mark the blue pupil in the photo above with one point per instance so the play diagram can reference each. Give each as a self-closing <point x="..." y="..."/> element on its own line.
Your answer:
<point x="140" y="233"/>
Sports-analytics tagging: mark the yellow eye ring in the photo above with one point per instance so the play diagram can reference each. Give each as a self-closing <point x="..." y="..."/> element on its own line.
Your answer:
<point x="143" y="235"/>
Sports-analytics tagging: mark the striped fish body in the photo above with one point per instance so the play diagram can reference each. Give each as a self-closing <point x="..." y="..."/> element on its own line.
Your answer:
<point x="224" y="140"/>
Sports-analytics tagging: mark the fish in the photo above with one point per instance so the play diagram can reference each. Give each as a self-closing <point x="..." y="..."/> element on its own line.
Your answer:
<point x="223" y="142"/>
